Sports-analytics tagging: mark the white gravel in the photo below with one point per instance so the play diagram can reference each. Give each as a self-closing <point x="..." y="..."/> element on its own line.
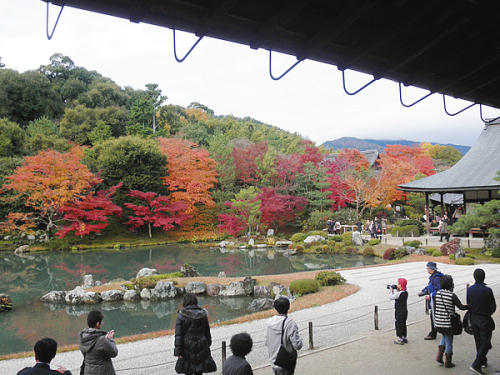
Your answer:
<point x="333" y="323"/>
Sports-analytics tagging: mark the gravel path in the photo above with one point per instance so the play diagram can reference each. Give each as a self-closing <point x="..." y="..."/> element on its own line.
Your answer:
<point x="333" y="324"/>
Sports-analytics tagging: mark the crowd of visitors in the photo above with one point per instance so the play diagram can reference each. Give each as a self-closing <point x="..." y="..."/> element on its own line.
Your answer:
<point x="193" y="338"/>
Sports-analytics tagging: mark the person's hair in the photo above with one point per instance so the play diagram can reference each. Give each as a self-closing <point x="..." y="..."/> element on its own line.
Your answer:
<point x="282" y="305"/>
<point x="94" y="317"/>
<point x="189" y="299"/>
<point x="45" y="349"/>
<point x="447" y="282"/>
<point x="479" y="275"/>
<point x="241" y="344"/>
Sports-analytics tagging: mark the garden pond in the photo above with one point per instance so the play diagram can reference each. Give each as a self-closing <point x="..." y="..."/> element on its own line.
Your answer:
<point x="27" y="277"/>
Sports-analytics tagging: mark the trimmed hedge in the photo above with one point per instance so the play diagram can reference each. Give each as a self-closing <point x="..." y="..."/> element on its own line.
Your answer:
<point x="465" y="261"/>
<point x="413" y="222"/>
<point x="405" y="231"/>
<point x="318" y="233"/>
<point x="437" y="253"/>
<point x="415" y="243"/>
<point x="368" y="252"/>
<point x="400" y="253"/>
<point x="373" y="242"/>
<point x="298" y="237"/>
<point x="389" y="254"/>
<point x="304" y="286"/>
<point x="327" y="278"/>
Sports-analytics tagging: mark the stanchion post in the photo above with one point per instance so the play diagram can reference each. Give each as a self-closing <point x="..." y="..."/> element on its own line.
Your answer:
<point x="311" y="343"/>
<point x="223" y="352"/>
<point x="375" y="318"/>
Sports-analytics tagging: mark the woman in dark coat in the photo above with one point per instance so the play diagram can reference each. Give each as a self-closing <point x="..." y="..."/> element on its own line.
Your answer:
<point x="193" y="339"/>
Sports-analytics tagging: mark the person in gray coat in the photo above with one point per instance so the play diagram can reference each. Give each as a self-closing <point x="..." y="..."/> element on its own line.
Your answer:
<point x="97" y="346"/>
<point x="241" y="345"/>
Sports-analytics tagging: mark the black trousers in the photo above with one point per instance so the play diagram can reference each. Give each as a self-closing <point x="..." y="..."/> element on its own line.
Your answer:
<point x="401" y="316"/>
<point x="482" y="326"/>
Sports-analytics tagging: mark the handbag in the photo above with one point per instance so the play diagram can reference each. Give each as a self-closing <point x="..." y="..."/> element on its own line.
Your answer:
<point x="285" y="359"/>
<point x="467" y="324"/>
<point x="456" y="321"/>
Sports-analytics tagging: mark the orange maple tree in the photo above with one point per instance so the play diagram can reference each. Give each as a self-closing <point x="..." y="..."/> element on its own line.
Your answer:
<point x="48" y="181"/>
<point x="192" y="173"/>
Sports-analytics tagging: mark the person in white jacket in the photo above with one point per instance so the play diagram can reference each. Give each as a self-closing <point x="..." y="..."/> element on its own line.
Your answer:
<point x="291" y="339"/>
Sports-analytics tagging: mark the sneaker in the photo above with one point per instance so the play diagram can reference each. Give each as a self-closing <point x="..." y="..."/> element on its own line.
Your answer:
<point x="477" y="371"/>
<point x="405" y="340"/>
<point x="399" y="342"/>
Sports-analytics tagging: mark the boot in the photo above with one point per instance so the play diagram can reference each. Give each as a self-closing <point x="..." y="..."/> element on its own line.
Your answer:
<point x="447" y="362"/>
<point x="439" y="357"/>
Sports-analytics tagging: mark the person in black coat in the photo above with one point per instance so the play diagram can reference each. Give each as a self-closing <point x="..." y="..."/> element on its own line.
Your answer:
<point x="45" y="351"/>
<point x="193" y="339"/>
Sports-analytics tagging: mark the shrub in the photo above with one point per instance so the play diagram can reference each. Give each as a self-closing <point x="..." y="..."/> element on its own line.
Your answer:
<point x="451" y="256"/>
<point x="151" y="281"/>
<point x="437" y="253"/>
<point x="298" y="237"/>
<point x="304" y="286"/>
<point x="351" y="250"/>
<point x="467" y="255"/>
<point x="400" y="253"/>
<point x="337" y="238"/>
<point x="338" y="248"/>
<point x="406" y="231"/>
<point x="495" y="253"/>
<point x="329" y="278"/>
<point x="347" y="238"/>
<point x="415" y="243"/>
<point x="299" y="248"/>
<point x="368" y="252"/>
<point x="430" y="250"/>
<point x="373" y="242"/>
<point x="464" y="261"/>
<point x="389" y="254"/>
<point x="412" y="222"/>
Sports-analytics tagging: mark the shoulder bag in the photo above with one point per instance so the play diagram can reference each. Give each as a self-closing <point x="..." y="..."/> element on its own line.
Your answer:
<point x="284" y="359"/>
<point x="467" y="324"/>
<point x="456" y="322"/>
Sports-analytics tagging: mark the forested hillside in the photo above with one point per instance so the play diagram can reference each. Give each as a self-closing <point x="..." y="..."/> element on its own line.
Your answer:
<point x="81" y="155"/>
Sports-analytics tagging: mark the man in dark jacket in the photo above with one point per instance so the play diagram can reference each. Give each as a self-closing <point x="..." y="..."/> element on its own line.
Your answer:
<point x="482" y="306"/>
<point x="430" y="292"/>
<point x="241" y="345"/>
<point x="45" y="351"/>
<point x="97" y="347"/>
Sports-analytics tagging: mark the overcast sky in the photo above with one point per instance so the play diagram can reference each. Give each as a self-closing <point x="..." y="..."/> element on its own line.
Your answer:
<point x="231" y="78"/>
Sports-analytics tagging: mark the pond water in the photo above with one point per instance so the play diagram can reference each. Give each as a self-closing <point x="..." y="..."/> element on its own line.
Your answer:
<point x="26" y="278"/>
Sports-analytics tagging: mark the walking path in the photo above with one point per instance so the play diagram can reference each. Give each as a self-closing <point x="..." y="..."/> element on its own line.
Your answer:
<point x="345" y="341"/>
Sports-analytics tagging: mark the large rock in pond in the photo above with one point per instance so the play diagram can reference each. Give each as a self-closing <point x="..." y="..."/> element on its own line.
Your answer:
<point x="283" y="243"/>
<point x="112" y="295"/>
<point x="163" y="290"/>
<point x="22" y="249"/>
<point x="5" y="302"/>
<point x="88" y="281"/>
<point x="75" y="296"/>
<point x="146" y="272"/>
<point x="196" y="287"/>
<point x="131" y="295"/>
<point x="262" y="291"/>
<point x="315" y="238"/>
<point x="189" y="271"/>
<point x="145" y="294"/>
<point x="92" y="298"/>
<point x="214" y="289"/>
<point x="260" y="304"/>
<point x="453" y="247"/>
<point x="55" y="296"/>
<point x="248" y="285"/>
<point x="357" y="240"/>
<point x="234" y="289"/>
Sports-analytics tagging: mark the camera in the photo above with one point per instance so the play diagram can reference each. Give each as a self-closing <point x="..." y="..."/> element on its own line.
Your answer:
<point x="392" y="287"/>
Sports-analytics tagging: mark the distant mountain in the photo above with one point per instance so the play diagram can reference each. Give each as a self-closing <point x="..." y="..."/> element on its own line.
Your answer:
<point x="373" y="144"/>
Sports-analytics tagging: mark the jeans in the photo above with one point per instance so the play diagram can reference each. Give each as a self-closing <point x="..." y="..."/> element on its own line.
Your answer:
<point x="447" y="342"/>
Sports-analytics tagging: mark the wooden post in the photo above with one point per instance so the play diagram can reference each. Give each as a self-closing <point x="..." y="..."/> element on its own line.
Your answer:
<point x="311" y="343"/>
<point x="223" y="352"/>
<point x="375" y="318"/>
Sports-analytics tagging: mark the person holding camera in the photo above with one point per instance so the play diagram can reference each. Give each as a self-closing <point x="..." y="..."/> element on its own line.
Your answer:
<point x="400" y="296"/>
<point x="429" y="292"/>
<point x="444" y="305"/>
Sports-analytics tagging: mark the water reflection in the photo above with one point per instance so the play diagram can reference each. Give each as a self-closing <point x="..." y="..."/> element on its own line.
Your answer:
<point x="27" y="278"/>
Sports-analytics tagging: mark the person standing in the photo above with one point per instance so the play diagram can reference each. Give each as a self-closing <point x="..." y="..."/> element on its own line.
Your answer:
<point x="445" y="303"/>
<point x="359" y="226"/>
<point x="443" y="229"/>
<point x="482" y="306"/>
<point x="338" y="226"/>
<point x="430" y="292"/>
<point x="241" y="345"/>
<point x="281" y="330"/>
<point x="193" y="339"/>
<point x="45" y="351"/>
<point x="400" y="297"/>
<point x="97" y="346"/>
